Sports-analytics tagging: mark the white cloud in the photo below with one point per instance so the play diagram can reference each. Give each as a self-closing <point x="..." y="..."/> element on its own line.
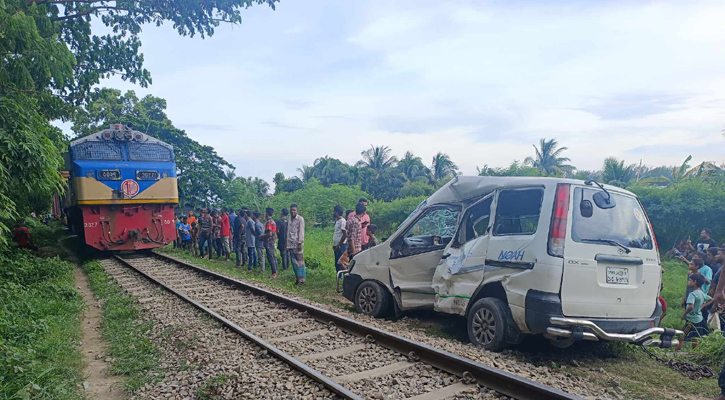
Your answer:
<point x="479" y="81"/>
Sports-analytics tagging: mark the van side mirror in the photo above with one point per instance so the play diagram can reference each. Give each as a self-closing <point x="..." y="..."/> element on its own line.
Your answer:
<point x="603" y="200"/>
<point x="586" y="209"/>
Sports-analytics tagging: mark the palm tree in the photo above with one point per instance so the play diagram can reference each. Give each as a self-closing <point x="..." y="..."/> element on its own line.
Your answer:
<point x="679" y="174"/>
<point x="306" y="173"/>
<point x="442" y="168"/>
<point x="548" y="158"/>
<point x="615" y="173"/>
<point x="377" y="158"/>
<point x="412" y="167"/>
<point x="229" y="175"/>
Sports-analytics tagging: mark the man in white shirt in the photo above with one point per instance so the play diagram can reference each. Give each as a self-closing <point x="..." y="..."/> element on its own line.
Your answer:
<point x="339" y="238"/>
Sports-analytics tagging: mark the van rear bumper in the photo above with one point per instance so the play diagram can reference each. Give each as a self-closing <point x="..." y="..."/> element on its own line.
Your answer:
<point x="544" y="316"/>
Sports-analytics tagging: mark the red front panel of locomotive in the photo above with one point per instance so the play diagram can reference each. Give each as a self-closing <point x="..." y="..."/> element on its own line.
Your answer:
<point x="129" y="226"/>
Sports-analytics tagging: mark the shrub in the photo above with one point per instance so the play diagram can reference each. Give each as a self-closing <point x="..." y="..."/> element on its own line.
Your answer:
<point x="682" y="210"/>
<point x="387" y="215"/>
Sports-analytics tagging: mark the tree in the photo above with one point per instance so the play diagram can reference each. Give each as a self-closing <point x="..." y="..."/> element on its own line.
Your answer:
<point x="616" y="173"/>
<point x="413" y="168"/>
<point x="414" y="189"/>
<point x="514" y="169"/>
<point x="378" y="159"/>
<point x="200" y="171"/>
<point x="548" y="158"/>
<point x="229" y="174"/>
<point x="442" y="167"/>
<point x="306" y="173"/>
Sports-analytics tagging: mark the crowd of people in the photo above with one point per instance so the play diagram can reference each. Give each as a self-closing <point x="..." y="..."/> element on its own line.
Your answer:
<point x="255" y="242"/>
<point x="705" y="262"/>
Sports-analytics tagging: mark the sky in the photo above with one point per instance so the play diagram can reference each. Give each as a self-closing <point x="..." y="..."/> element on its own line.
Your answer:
<point x="479" y="80"/>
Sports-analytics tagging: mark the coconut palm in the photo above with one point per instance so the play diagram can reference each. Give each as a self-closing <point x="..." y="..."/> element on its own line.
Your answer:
<point x="230" y="175"/>
<point x="412" y="167"/>
<point x="679" y="174"/>
<point x="548" y="158"/>
<point x="377" y="159"/>
<point x="442" y="167"/>
<point x="306" y="173"/>
<point x="616" y="173"/>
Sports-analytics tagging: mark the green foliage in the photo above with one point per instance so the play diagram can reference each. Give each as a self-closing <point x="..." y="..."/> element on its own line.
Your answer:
<point x="442" y="167"/>
<point x="709" y="351"/>
<point x="616" y="173"/>
<point x="29" y="159"/>
<point x="315" y="201"/>
<point x="516" y="168"/>
<point x="388" y="215"/>
<point x="682" y="210"/>
<point x="127" y="335"/>
<point x="200" y="171"/>
<point x="40" y="314"/>
<point x="415" y="189"/>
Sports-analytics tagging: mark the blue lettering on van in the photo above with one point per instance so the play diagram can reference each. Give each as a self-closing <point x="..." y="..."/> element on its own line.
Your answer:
<point x="511" y="255"/>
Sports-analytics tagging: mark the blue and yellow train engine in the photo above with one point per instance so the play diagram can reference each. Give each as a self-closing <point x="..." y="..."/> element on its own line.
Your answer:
<point x="122" y="190"/>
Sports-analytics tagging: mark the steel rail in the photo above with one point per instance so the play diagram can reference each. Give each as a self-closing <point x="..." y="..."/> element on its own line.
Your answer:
<point x="293" y="362"/>
<point x="490" y="377"/>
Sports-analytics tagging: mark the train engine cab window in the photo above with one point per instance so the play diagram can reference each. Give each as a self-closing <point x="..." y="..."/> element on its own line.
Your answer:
<point x="517" y="212"/>
<point x="148" y="152"/>
<point x="97" y="151"/>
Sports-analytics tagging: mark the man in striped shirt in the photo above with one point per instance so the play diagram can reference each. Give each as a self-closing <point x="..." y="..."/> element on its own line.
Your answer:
<point x="354" y="230"/>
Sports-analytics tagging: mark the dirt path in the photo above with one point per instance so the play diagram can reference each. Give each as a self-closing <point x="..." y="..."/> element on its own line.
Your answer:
<point x="99" y="384"/>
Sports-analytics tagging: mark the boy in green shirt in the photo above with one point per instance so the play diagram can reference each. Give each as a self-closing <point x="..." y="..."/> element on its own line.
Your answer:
<point x="695" y="324"/>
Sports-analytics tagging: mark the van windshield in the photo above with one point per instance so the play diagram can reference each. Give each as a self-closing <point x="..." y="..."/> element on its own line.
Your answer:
<point x="625" y="223"/>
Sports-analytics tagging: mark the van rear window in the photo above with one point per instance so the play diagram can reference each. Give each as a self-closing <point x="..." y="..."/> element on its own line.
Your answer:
<point x="625" y="223"/>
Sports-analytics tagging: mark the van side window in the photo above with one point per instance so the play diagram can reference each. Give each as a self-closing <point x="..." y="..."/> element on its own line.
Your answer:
<point x="475" y="222"/>
<point x="517" y="212"/>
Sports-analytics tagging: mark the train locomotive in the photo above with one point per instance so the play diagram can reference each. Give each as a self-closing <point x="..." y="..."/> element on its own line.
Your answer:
<point x="122" y="190"/>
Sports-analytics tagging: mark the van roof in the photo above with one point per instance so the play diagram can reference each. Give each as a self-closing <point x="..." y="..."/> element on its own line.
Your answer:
<point x="462" y="188"/>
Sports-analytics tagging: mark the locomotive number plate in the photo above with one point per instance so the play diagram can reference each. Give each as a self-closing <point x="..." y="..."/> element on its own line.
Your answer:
<point x="147" y="175"/>
<point x="109" y="174"/>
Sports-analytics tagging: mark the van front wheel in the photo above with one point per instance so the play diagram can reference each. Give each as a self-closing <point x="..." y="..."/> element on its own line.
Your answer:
<point x="487" y="324"/>
<point x="371" y="299"/>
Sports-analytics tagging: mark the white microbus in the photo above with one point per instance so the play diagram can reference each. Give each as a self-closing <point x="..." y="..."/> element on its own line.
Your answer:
<point x="568" y="259"/>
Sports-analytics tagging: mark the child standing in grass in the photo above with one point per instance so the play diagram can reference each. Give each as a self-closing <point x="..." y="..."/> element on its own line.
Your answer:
<point x="695" y="324"/>
<point x="194" y="239"/>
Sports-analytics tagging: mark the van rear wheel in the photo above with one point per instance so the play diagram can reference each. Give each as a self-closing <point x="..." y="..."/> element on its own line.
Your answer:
<point x="371" y="299"/>
<point x="488" y="324"/>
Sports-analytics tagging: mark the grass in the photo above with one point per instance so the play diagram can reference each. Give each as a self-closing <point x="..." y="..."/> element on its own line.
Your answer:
<point x="211" y="389"/>
<point x="40" y="313"/>
<point x="674" y="281"/>
<point x="128" y="337"/>
<point x="319" y="259"/>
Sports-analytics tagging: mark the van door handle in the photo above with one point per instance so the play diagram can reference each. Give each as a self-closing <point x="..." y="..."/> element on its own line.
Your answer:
<point x="618" y="259"/>
<point x="444" y="256"/>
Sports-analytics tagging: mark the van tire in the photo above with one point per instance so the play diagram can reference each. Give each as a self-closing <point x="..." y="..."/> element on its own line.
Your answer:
<point x="371" y="299"/>
<point x="488" y="324"/>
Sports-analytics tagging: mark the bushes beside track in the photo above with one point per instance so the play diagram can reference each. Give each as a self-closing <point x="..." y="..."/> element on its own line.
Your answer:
<point x="40" y="313"/>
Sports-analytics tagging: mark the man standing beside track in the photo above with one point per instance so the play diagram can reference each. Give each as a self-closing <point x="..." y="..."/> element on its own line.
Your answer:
<point x="206" y="225"/>
<point x="225" y="227"/>
<point x="239" y="244"/>
<point x="295" y="242"/>
<point x="282" y="239"/>
<point x="268" y="237"/>
<point x="250" y="239"/>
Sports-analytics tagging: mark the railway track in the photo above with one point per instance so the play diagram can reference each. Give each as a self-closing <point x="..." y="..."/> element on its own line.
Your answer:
<point x="351" y="359"/>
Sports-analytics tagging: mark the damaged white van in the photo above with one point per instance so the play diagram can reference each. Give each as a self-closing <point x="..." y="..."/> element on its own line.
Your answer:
<point x="568" y="259"/>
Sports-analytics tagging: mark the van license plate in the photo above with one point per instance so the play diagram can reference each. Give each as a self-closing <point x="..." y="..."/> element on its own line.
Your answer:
<point x="618" y="275"/>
